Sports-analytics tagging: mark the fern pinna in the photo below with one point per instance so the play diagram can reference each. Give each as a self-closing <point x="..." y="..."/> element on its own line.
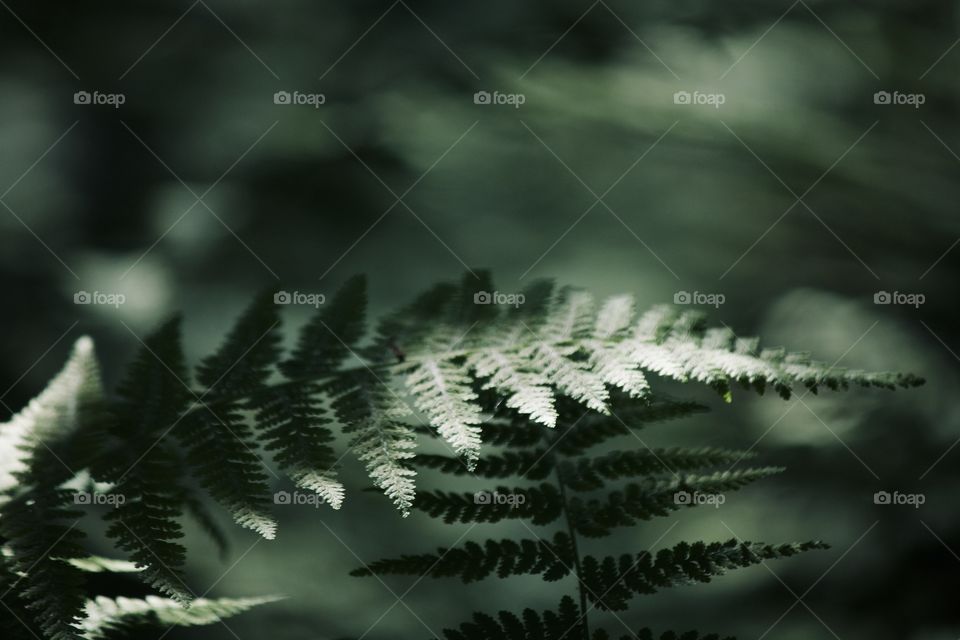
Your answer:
<point x="473" y="372"/>
<point x="566" y="479"/>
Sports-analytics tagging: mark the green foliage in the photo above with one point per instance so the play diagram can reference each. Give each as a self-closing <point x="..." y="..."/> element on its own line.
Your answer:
<point x="545" y="382"/>
<point x="658" y="482"/>
<point x="142" y="466"/>
<point x="107" y="616"/>
<point x="219" y="440"/>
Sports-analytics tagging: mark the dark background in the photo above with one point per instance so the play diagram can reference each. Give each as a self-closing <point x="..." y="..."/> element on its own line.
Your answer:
<point x="98" y="198"/>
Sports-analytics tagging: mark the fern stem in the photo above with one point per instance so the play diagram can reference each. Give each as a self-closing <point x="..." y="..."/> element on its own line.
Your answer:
<point x="551" y="437"/>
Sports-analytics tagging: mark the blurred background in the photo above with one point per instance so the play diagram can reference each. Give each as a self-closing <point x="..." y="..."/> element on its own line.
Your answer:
<point x="796" y="159"/>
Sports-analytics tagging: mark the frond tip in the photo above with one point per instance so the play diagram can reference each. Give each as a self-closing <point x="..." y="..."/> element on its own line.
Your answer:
<point x="105" y="616"/>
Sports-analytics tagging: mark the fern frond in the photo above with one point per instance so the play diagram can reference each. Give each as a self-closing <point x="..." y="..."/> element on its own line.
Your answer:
<point x="150" y="400"/>
<point x="40" y="530"/>
<point x="612" y="363"/>
<point x="100" y="564"/>
<point x="576" y="432"/>
<point x="105" y="616"/>
<point x="442" y="392"/>
<point x="219" y="439"/>
<point x="532" y="465"/>
<point x="564" y="624"/>
<point x="588" y="474"/>
<point x="293" y="416"/>
<point x="679" y="345"/>
<point x="611" y="581"/>
<point x="328" y="338"/>
<point x="373" y="415"/>
<point x="655" y="497"/>
<point x="472" y="561"/>
<point x="541" y="505"/>
<point x="37" y="518"/>
<point x="509" y="374"/>
<point x="52" y="415"/>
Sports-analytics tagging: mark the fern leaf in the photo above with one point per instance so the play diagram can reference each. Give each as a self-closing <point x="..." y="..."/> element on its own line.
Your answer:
<point x="328" y="337"/>
<point x="373" y="415"/>
<point x="655" y="497"/>
<point x="42" y="542"/>
<point x="442" y="392"/>
<point x="37" y="520"/>
<point x="293" y="415"/>
<point x="588" y="474"/>
<point x="507" y="373"/>
<point x="680" y="346"/>
<point x="541" y="505"/>
<point x="532" y="465"/>
<point x="473" y="562"/>
<point x="610" y="361"/>
<point x="100" y="564"/>
<point x="571" y="376"/>
<point x="52" y="415"/>
<point x="611" y="581"/>
<point x="564" y="624"/>
<point x="151" y="399"/>
<point x="577" y="432"/>
<point x="220" y="442"/>
<point x="105" y="616"/>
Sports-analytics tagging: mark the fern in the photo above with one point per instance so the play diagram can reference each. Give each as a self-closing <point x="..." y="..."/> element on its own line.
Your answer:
<point x="374" y="417"/>
<point x="605" y="583"/>
<point x="149" y="402"/>
<point x="37" y="521"/>
<point x="43" y="563"/>
<point x="220" y="442"/>
<point x="106" y="616"/>
<point x="546" y="381"/>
